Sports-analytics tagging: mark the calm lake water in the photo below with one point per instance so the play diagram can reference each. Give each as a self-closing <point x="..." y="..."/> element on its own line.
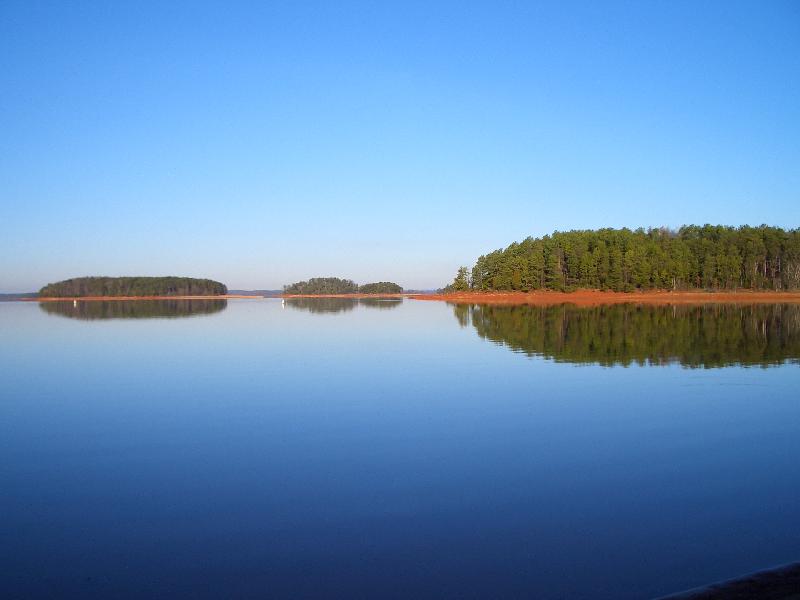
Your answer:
<point x="405" y="449"/>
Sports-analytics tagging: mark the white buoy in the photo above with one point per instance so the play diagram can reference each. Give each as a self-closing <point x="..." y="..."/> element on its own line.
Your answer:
<point x="75" y="303"/>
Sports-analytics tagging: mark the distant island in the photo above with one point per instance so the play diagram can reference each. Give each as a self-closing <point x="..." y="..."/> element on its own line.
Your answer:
<point x="381" y="287"/>
<point x="328" y="286"/>
<point x="322" y="286"/>
<point x="19" y="296"/>
<point x="132" y="287"/>
<point x="708" y="257"/>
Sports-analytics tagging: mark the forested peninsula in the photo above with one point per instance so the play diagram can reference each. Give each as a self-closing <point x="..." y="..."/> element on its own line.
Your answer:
<point x="708" y="257"/>
<point x="326" y="286"/>
<point x="133" y="287"/>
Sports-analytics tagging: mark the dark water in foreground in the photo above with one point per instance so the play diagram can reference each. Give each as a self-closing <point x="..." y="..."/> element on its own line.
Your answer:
<point x="394" y="449"/>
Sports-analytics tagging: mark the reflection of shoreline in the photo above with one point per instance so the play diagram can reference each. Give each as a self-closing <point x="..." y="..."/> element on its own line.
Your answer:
<point x="708" y="335"/>
<point x="353" y="296"/>
<point x="381" y="303"/>
<point x="597" y="298"/>
<point x="146" y="309"/>
<point x="338" y="304"/>
<point x="119" y="298"/>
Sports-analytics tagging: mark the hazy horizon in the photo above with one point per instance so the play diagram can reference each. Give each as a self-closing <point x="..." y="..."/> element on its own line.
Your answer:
<point x="232" y="287"/>
<point x="262" y="145"/>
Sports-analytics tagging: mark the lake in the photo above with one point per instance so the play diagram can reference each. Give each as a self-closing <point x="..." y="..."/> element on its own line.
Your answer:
<point x="394" y="449"/>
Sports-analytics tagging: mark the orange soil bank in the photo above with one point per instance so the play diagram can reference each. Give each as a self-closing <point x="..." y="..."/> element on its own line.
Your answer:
<point x="97" y="298"/>
<point x="597" y="297"/>
<point x="343" y="295"/>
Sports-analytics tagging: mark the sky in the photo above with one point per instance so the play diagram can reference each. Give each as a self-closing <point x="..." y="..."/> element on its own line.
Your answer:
<point x="268" y="142"/>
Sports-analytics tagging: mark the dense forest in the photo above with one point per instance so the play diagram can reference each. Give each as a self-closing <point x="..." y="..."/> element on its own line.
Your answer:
<point x="381" y="287"/>
<point x="142" y="309"/>
<point x="334" y="285"/>
<point x="708" y="257"/>
<point x="322" y="285"/>
<point x="133" y="286"/>
<point x="711" y="335"/>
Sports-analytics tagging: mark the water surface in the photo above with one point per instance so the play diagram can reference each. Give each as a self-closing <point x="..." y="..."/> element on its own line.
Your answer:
<point x="329" y="450"/>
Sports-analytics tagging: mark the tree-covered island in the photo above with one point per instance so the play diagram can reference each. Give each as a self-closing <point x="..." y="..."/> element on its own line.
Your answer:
<point x="322" y="286"/>
<point x="692" y="258"/>
<point x="133" y="287"/>
<point x="327" y="286"/>
<point x="381" y="287"/>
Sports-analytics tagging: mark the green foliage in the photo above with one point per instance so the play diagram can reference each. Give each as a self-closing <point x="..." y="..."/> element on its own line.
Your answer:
<point x="694" y="257"/>
<point x="461" y="282"/>
<point x="382" y="287"/>
<point x="321" y="286"/>
<point x="711" y="335"/>
<point x="133" y="286"/>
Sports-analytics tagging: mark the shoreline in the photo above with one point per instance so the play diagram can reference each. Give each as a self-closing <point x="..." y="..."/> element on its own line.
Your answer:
<point x="122" y="298"/>
<point x="541" y="297"/>
<point x="354" y="296"/>
<point x="597" y="297"/>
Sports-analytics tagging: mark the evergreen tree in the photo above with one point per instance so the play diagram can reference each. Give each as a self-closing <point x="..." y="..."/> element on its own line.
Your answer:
<point x="694" y="257"/>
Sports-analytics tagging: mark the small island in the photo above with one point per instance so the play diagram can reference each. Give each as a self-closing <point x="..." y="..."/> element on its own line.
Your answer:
<point x="381" y="287"/>
<point x="133" y="287"/>
<point x="321" y="286"/>
<point x="334" y="286"/>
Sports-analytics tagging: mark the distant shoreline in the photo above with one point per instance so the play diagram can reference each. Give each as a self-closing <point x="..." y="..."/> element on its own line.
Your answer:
<point x="115" y="298"/>
<point x="597" y="297"/>
<point x="541" y="297"/>
<point x="356" y="295"/>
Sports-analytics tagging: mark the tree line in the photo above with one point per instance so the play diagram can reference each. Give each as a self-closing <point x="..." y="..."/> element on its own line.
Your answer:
<point x="695" y="336"/>
<point x="133" y="286"/>
<point x="334" y="285"/>
<point x="381" y="287"/>
<point x="713" y="257"/>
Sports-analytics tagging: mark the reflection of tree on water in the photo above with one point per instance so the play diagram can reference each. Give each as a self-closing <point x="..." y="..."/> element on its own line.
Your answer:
<point x="133" y="309"/>
<point x="337" y="305"/>
<point x="322" y="305"/>
<point x="381" y="303"/>
<point x="712" y="335"/>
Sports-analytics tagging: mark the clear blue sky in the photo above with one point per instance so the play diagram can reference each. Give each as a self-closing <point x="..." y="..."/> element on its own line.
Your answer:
<point x="261" y="143"/>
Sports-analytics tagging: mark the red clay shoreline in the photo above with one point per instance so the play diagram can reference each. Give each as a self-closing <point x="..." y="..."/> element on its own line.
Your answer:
<point x="579" y="297"/>
<point x="345" y="296"/>
<point x="115" y="298"/>
<point x="598" y="297"/>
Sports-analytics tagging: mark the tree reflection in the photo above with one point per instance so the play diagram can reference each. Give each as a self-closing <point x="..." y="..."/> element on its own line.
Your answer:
<point x="381" y="303"/>
<point x="712" y="335"/>
<point x="337" y="305"/>
<point x="322" y="305"/>
<point x="133" y="309"/>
